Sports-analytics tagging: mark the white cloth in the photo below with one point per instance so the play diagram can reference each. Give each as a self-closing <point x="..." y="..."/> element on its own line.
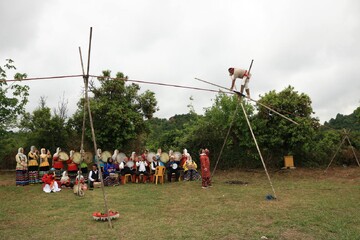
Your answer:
<point x="241" y="73"/>
<point x="90" y="175"/>
<point x="142" y="166"/>
<point x="55" y="188"/>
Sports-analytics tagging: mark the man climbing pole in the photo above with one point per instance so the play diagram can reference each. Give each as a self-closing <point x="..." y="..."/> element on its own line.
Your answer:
<point x="243" y="74"/>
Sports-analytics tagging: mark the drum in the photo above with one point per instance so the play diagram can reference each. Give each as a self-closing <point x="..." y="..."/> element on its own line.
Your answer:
<point x="150" y="156"/>
<point x="174" y="166"/>
<point x="120" y="157"/>
<point x="77" y="158"/>
<point x="105" y="155"/>
<point x="114" y="175"/>
<point x="97" y="184"/>
<point x="88" y="157"/>
<point x="130" y="164"/>
<point x="164" y="157"/>
<point x="63" y="156"/>
<point x="177" y="156"/>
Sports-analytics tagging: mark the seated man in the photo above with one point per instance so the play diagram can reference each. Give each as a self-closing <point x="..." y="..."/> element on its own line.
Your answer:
<point x="172" y="167"/>
<point x="93" y="176"/>
<point x="141" y="168"/>
<point x="125" y="168"/>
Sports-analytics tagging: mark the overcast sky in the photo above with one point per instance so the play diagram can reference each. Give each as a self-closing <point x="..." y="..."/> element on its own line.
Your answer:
<point x="311" y="45"/>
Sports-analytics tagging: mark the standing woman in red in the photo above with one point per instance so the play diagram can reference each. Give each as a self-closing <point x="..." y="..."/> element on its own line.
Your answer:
<point x="205" y="168"/>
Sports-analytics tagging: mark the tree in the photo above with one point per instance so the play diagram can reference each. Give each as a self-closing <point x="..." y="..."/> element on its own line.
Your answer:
<point x="351" y="121"/>
<point x="279" y="137"/>
<point x="119" y="112"/>
<point x="46" y="130"/>
<point x="210" y="131"/>
<point x="13" y="98"/>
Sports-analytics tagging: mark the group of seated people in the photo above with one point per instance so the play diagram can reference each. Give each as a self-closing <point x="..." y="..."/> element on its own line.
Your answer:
<point x="142" y="169"/>
<point x="65" y="174"/>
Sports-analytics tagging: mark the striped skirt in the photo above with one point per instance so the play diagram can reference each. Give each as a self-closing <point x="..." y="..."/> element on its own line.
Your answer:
<point x="33" y="177"/>
<point x="108" y="181"/>
<point x="22" y="177"/>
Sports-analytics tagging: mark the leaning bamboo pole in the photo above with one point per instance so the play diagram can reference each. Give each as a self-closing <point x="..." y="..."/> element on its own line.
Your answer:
<point x="86" y="81"/>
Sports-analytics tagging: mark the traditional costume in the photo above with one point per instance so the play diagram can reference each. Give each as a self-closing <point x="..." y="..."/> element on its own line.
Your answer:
<point x="205" y="168"/>
<point x="49" y="183"/>
<point x="22" y="177"/>
<point x="155" y="163"/>
<point x="94" y="176"/>
<point x="80" y="182"/>
<point x="141" y="169"/>
<point x="44" y="163"/>
<point x="110" y="174"/>
<point x="57" y="164"/>
<point x="65" y="180"/>
<point x="190" y="172"/>
<point x="158" y="154"/>
<point x="172" y="167"/>
<point x="33" y="166"/>
<point x="126" y="168"/>
<point x="72" y="167"/>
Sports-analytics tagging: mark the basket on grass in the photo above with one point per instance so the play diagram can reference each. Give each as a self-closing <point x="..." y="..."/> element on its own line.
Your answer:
<point x="98" y="216"/>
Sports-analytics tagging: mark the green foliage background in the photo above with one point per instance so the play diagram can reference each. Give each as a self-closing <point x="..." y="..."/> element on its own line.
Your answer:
<point x="123" y="119"/>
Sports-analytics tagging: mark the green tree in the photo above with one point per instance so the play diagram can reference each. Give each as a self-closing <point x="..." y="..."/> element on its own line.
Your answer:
<point x="210" y="131"/>
<point x="276" y="135"/>
<point x="13" y="98"/>
<point x="119" y="112"/>
<point x="351" y="121"/>
<point x="46" y="130"/>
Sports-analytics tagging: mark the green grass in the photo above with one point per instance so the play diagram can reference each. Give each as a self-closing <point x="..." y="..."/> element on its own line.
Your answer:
<point x="310" y="205"/>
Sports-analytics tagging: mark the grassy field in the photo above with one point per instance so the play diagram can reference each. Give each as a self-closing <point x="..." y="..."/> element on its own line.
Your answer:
<point x="310" y="205"/>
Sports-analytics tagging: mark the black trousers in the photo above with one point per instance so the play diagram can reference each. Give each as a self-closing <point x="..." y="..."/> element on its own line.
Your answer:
<point x="170" y="171"/>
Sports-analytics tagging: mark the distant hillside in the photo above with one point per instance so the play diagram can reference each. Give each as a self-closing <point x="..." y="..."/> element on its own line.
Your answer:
<point x="351" y="121"/>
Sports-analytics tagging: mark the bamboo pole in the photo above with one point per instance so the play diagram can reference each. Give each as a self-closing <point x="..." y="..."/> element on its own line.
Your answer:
<point x="257" y="147"/>
<point x="86" y="80"/>
<point x="342" y="142"/>
<point x="225" y="140"/>
<point x="352" y="148"/>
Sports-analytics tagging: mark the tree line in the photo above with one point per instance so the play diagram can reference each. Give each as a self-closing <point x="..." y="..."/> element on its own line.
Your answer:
<point x="123" y="119"/>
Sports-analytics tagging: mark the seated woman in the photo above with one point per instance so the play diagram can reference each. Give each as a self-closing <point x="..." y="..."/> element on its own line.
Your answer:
<point x="65" y="180"/>
<point x="80" y="182"/>
<point x="49" y="183"/>
<point x="111" y="178"/>
<point x="190" y="172"/>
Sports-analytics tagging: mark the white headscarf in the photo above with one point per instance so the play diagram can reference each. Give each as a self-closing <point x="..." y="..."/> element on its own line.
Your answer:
<point x="116" y="152"/>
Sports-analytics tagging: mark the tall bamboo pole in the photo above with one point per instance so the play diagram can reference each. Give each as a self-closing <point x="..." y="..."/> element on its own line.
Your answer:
<point x="86" y="80"/>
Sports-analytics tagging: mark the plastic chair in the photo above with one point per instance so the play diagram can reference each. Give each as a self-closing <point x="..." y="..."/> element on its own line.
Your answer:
<point x="127" y="177"/>
<point x="159" y="173"/>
